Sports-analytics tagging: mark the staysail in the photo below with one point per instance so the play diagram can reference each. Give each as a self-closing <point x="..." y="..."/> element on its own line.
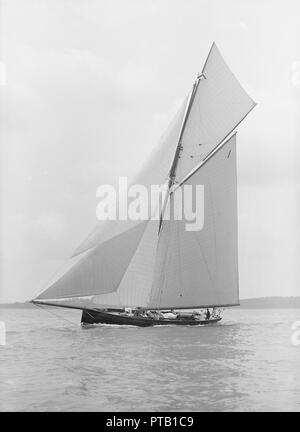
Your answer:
<point x="158" y="263"/>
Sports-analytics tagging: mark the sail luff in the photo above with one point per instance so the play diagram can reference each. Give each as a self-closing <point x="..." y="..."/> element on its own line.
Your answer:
<point x="178" y="149"/>
<point x="208" y="55"/>
<point x="175" y="157"/>
<point x="172" y="173"/>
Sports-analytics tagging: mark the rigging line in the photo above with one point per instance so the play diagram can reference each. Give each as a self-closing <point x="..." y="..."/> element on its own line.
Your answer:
<point x="54" y="314"/>
<point x="164" y="267"/>
<point x="237" y="221"/>
<point x="86" y="311"/>
<point x="47" y="282"/>
<point x="179" y="147"/>
<point x="170" y="237"/>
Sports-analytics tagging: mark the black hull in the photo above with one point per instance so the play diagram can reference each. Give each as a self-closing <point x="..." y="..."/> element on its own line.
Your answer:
<point x="98" y="317"/>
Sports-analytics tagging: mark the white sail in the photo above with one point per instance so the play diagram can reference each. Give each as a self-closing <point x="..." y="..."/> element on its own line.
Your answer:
<point x="219" y="105"/>
<point x="135" y="287"/>
<point x="154" y="172"/>
<point x="200" y="268"/>
<point x="100" y="270"/>
<point x="79" y="275"/>
<point x="140" y="263"/>
<point x="86" y="273"/>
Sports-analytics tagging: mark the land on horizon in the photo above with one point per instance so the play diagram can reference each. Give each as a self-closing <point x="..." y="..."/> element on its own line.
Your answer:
<point x="275" y="302"/>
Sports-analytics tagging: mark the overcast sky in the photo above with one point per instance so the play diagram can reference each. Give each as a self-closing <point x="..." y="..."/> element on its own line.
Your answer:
<point x="87" y="88"/>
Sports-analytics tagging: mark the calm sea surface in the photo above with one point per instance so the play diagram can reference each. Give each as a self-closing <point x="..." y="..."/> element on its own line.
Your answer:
<point x="247" y="362"/>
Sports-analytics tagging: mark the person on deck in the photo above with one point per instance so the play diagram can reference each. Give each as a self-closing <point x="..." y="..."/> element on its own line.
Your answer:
<point x="150" y="314"/>
<point x="170" y="315"/>
<point x="196" y="315"/>
<point x="128" y="311"/>
<point x="215" y="313"/>
<point x="207" y="314"/>
<point x="138" y="312"/>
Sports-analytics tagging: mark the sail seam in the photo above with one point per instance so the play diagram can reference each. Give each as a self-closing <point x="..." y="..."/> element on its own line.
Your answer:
<point x="214" y="226"/>
<point x="205" y="262"/>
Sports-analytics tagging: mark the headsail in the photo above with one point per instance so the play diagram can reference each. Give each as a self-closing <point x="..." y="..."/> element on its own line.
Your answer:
<point x="136" y="284"/>
<point x="154" y="172"/>
<point x="100" y="270"/>
<point x="79" y="278"/>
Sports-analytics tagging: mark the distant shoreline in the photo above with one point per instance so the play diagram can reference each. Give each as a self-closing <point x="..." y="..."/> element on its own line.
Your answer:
<point x="253" y="303"/>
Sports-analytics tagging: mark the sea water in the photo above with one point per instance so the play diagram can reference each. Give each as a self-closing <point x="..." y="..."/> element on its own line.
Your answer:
<point x="250" y="361"/>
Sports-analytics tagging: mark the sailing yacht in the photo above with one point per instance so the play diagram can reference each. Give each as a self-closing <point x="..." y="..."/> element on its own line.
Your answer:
<point x="130" y="272"/>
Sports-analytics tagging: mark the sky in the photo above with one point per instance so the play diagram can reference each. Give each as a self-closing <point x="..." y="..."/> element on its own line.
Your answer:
<point x="87" y="89"/>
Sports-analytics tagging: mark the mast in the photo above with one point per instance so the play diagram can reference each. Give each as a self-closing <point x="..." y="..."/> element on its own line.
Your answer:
<point x="189" y="106"/>
<point x="172" y="172"/>
<point x="179" y="145"/>
<point x="142" y="266"/>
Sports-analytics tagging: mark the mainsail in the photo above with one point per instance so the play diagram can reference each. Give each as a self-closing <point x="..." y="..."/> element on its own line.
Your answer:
<point x="200" y="268"/>
<point x="158" y="264"/>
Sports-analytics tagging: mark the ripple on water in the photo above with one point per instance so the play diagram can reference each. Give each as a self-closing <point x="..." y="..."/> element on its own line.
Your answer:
<point x="246" y="362"/>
